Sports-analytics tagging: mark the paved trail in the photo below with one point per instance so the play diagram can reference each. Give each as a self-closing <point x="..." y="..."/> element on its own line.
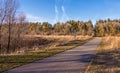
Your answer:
<point x="70" y="61"/>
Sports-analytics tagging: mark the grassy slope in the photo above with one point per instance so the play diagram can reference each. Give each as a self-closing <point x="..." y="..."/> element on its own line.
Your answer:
<point x="12" y="61"/>
<point x="107" y="58"/>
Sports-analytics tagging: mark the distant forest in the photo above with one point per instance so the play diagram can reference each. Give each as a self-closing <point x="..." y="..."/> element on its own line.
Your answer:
<point x="101" y="28"/>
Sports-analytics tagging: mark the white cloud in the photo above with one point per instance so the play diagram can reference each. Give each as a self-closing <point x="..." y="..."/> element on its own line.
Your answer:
<point x="64" y="16"/>
<point x="32" y="18"/>
<point x="56" y="14"/>
<point x="56" y="9"/>
<point x="63" y="9"/>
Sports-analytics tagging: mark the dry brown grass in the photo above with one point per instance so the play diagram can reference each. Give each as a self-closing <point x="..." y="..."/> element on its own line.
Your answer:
<point x="38" y="42"/>
<point x="107" y="58"/>
<point x="58" y="40"/>
<point x="111" y="43"/>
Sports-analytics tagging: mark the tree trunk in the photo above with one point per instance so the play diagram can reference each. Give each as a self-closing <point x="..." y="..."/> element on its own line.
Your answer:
<point x="9" y="38"/>
<point x="0" y="39"/>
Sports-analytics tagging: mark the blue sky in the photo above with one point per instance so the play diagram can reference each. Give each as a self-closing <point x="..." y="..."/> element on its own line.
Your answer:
<point x="54" y="11"/>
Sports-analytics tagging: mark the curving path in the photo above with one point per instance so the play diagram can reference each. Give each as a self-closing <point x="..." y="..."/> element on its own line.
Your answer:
<point x="70" y="61"/>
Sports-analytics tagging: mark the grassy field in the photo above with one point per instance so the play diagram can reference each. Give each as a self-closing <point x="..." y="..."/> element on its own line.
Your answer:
<point x="60" y="44"/>
<point x="107" y="58"/>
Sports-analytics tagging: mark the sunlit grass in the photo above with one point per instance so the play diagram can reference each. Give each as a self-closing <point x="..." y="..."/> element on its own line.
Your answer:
<point x="107" y="58"/>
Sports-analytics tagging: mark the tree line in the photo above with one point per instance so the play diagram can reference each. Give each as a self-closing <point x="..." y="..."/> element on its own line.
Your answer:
<point x="67" y="28"/>
<point x="102" y="28"/>
<point x="107" y="27"/>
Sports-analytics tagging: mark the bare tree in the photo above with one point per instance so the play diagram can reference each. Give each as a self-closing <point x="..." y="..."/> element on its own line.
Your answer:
<point x="3" y="12"/>
<point x="1" y="19"/>
<point x="20" y="28"/>
<point x="11" y="6"/>
<point x="21" y="19"/>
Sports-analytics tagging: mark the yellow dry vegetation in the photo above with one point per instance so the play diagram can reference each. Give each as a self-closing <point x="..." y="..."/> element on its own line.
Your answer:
<point x="107" y="58"/>
<point x="109" y="43"/>
<point x="59" y="39"/>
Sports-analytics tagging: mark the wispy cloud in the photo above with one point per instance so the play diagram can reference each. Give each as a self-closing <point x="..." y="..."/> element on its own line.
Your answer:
<point x="56" y="14"/>
<point x="33" y="18"/>
<point x="56" y="9"/>
<point x="63" y="9"/>
<point x="64" y="16"/>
